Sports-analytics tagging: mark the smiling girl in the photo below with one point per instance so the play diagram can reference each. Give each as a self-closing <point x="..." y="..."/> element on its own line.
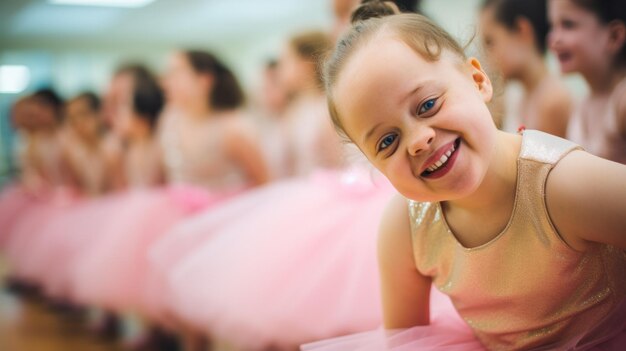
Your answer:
<point x="589" y="37"/>
<point x="525" y="234"/>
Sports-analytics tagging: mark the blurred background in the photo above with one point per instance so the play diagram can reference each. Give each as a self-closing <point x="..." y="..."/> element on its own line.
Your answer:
<point x="74" y="47"/>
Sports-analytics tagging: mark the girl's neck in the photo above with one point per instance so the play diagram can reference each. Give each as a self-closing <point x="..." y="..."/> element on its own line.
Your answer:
<point x="198" y="110"/>
<point x="533" y="74"/>
<point x="497" y="189"/>
<point x="141" y="133"/>
<point x="45" y="132"/>
<point x="602" y="80"/>
<point x="91" y="143"/>
<point x="140" y="139"/>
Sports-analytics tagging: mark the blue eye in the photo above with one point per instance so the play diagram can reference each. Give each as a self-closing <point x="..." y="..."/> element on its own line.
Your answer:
<point x="426" y="106"/>
<point x="387" y="142"/>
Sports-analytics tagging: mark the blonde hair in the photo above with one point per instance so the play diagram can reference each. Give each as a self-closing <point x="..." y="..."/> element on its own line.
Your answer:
<point x="417" y="31"/>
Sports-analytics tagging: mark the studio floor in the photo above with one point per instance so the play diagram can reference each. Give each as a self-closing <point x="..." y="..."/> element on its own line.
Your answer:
<point x="32" y="325"/>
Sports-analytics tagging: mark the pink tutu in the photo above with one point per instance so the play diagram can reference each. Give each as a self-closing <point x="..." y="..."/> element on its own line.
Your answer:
<point x="299" y="267"/>
<point x="28" y="232"/>
<point x="447" y="332"/>
<point x="66" y="237"/>
<point x="112" y="272"/>
<point x="183" y="238"/>
<point x="14" y="201"/>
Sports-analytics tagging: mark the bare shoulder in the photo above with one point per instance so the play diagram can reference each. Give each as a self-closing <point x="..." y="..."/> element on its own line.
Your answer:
<point x="556" y="96"/>
<point x="239" y="128"/>
<point x="586" y="200"/>
<point x="554" y="107"/>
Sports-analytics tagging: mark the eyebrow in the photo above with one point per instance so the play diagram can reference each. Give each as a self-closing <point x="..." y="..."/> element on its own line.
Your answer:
<point x="371" y="132"/>
<point x="412" y="92"/>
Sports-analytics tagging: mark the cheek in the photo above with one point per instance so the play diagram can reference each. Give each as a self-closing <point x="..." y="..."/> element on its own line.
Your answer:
<point x="399" y="173"/>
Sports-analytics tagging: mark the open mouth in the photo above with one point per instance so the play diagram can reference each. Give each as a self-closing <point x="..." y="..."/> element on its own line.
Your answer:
<point x="444" y="164"/>
<point x="564" y="56"/>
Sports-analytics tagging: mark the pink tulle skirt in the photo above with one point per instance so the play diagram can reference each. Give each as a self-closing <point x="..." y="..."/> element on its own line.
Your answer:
<point x="14" y="202"/>
<point x="447" y="332"/>
<point x="298" y="264"/>
<point x="28" y="232"/>
<point x="183" y="238"/>
<point x="112" y="272"/>
<point x="66" y="237"/>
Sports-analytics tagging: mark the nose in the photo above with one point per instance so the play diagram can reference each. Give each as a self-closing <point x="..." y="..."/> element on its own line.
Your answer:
<point x="421" y="140"/>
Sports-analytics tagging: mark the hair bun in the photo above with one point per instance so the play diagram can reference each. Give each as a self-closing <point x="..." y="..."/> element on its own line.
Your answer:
<point x="373" y="9"/>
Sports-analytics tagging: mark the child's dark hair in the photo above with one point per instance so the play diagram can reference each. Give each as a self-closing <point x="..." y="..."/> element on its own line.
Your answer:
<point x="608" y="11"/>
<point x="50" y="98"/>
<point x="508" y="12"/>
<point x="148" y="99"/>
<point x="421" y="34"/>
<point x="226" y="93"/>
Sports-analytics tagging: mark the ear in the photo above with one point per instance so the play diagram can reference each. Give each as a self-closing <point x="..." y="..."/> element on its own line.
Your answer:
<point x="617" y="36"/>
<point x="480" y="79"/>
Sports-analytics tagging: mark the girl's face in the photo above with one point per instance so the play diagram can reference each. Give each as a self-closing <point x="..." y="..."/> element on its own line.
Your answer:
<point x="82" y="118"/>
<point x="118" y="96"/>
<point x="578" y="38"/>
<point x="274" y="97"/>
<point x="182" y="84"/>
<point x="507" y="49"/>
<point x="423" y="124"/>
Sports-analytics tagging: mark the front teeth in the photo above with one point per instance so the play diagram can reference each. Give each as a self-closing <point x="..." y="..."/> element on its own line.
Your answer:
<point x="441" y="161"/>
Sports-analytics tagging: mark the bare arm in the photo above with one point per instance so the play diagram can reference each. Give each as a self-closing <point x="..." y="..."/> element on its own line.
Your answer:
<point x="555" y="111"/>
<point x="244" y="149"/>
<point x="405" y="292"/>
<point x="586" y="199"/>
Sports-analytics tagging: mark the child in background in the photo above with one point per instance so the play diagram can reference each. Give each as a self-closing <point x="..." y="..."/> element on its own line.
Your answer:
<point x="589" y="37"/>
<point x="18" y="197"/>
<point x="45" y="179"/>
<point x="523" y="233"/>
<point x="312" y="141"/>
<point x="514" y="33"/>
<point x="82" y="145"/>
<point x="72" y="234"/>
<point x="270" y="114"/>
<point x="290" y="227"/>
<point x="202" y="114"/>
<point x="210" y="154"/>
<point x="137" y="117"/>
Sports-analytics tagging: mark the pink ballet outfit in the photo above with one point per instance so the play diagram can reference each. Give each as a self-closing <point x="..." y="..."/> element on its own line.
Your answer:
<point x="14" y="202"/>
<point x="67" y="236"/>
<point x="447" y="332"/>
<point x="184" y="238"/>
<point x="113" y="272"/>
<point x="295" y="265"/>
<point x="28" y="231"/>
<point x="524" y="290"/>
